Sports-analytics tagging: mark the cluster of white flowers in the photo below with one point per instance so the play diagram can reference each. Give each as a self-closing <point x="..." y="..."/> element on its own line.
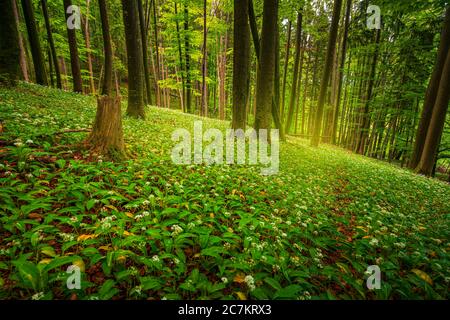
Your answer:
<point x="224" y="280"/>
<point x="374" y="242"/>
<point x="400" y="245"/>
<point x="176" y="230"/>
<point x="66" y="236"/>
<point x="37" y="296"/>
<point x="145" y="203"/>
<point x="250" y="282"/>
<point x="155" y="258"/>
<point x="143" y="215"/>
<point x="306" y="296"/>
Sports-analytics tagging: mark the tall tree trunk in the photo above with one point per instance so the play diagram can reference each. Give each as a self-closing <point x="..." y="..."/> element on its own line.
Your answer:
<point x="286" y="65"/>
<point x="180" y="58"/>
<point x="431" y="94"/>
<point x="51" y="43"/>
<point x="222" y="74"/>
<point x="148" y="95"/>
<point x="134" y="57"/>
<point x="158" y="68"/>
<point x="87" y="37"/>
<point x="366" y="121"/>
<point x="293" y="99"/>
<point x="33" y="37"/>
<point x="341" y="71"/>
<point x="188" y="61"/>
<point x="107" y="82"/>
<point x="241" y="63"/>
<point x="264" y="91"/>
<point x="204" y="104"/>
<point x="74" y="58"/>
<point x="437" y="122"/>
<point x="326" y="72"/>
<point x="9" y="45"/>
<point x="23" y="58"/>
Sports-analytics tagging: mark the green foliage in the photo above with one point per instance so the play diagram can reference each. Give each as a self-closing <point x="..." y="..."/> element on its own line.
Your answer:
<point x="150" y="229"/>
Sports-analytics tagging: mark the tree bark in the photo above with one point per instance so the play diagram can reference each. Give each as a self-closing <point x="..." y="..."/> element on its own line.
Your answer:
<point x="241" y="63"/>
<point x="204" y="104"/>
<point x="188" y="61"/>
<point x="51" y="44"/>
<point x="286" y="65"/>
<point x="74" y="58"/>
<point x="293" y="99"/>
<point x="437" y="122"/>
<point x="148" y="96"/>
<point x="134" y="57"/>
<point x="87" y="37"/>
<point x="35" y="45"/>
<point x="107" y="81"/>
<point x="431" y="94"/>
<point x="326" y="73"/>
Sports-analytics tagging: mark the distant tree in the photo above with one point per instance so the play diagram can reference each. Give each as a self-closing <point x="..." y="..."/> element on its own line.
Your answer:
<point x="148" y="95"/>
<point x="188" y="61"/>
<point x="134" y="57"/>
<point x="241" y="63"/>
<point x="204" y="104"/>
<point x="326" y="72"/>
<point x="73" y="48"/>
<point x="35" y="45"/>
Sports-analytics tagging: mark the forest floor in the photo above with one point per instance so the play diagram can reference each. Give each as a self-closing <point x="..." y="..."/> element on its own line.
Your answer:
<point x="150" y="229"/>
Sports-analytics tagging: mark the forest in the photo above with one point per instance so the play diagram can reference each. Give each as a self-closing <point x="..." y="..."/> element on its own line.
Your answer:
<point x="104" y="105"/>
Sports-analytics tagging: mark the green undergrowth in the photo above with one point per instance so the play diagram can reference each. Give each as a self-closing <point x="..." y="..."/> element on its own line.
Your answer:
<point x="149" y="229"/>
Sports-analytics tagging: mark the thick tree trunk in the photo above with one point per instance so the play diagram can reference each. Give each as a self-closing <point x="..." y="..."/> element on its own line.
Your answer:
<point x="437" y="122"/>
<point x="264" y="91"/>
<point x="293" y="99"/>
<point x="134" y="57"/>
<point x="148" y="96"/>
<point x="36" y="52"/>
<point x="107" y="44"/>
<point x="241" y="63"/>
<point x="107" y="134"/>
<point x="74" y="58"/>
<point x="9" y="45"/>
<point x="431" y="94"/>
<point x="326" y="73"/>
<point x="51" y="43"/>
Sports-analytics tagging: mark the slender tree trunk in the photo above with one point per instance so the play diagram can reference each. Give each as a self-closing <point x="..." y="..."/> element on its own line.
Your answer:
<point x="51" y="43"/>
<point x="341" y="71"/>
<point x="204" y="104"/>
<point x="74" y="58"/>
<point x="148" y="95"/>
<point x="293" y="99"/>
<point x="241" y="63"/>
<point x="188" y="61"/>
<point x="431" y="94"/>
<point x="33" y="36"/>
<point x="286" y="65"/>
<point x="88" y="49"/>
<point x="180" y="57"/>
<point x="264" y="92"/>
<point x="134" y="57"/>
<point x="326" y="73"/>
<point x="158" y="69"/>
